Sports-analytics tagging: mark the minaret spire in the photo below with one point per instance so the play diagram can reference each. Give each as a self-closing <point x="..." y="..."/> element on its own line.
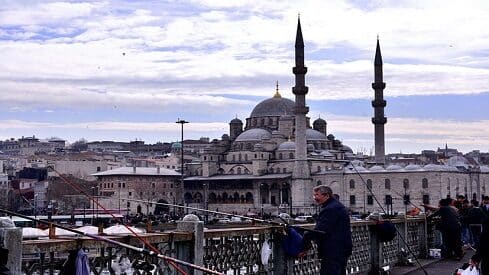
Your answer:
<point x="301" y="176"/>
<point x="379" y="104"/>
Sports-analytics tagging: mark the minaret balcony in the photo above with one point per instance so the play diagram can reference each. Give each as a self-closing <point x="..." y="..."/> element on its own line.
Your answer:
<point x="300" y="90"/>
<point x="379" y="103"/>
<point x="379" y="120"/>
<point x="299" y="70"/>
<point x="378" y="85"/>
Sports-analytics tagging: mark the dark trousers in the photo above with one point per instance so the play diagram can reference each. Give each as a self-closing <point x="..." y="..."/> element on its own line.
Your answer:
<point x="452" y="245"/>
<point x="333" y="267"/>
<point x="484" y="266"/>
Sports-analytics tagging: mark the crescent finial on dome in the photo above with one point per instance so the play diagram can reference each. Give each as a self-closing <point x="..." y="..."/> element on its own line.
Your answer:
<point x="277" y="94"/>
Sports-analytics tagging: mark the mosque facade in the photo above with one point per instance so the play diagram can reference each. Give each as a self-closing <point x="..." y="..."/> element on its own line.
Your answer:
<point x="270" y="162"/>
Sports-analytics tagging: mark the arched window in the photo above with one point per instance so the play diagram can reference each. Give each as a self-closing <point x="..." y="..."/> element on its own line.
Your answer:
<point x="284" y="170"/>
<point x="271" y="170"/>
<point x="236" y="197"/>
<point x="318" y="183"/>
<point x="249" y="197"/>
<point x="352" y="184"/>
<point x="405" y="184"/>
<point x="270" y="121"/>
<point x="239" y="157"/>
<point x="387" y="184"/>
<point x="369" y="184"/>
<point x="424" y="183"/>
<point x="188" y="197"/>
<point x="280" y="156"/>
<point x="291" y="155"/>
<point x="212" y="197"/>
<point x="319" y="168"/>
<point x="239" y="170"/>
<point x="246" y="157"/>
<point x="234" y="158"/>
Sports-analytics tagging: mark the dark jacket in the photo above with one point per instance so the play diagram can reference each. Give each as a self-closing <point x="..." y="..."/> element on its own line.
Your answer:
<point x="336" y="241"/>
<point x="449" y="219"/>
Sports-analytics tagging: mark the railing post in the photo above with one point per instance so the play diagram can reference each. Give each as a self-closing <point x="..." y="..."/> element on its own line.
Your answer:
<point x="192" y="252"/>
<point x="282" y="264"/>
<point x="375" y="252"/>
<point x="11" y="240"/>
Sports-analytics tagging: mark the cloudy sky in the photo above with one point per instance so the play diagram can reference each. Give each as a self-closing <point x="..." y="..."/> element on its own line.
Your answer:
<point x="121" y="70"/>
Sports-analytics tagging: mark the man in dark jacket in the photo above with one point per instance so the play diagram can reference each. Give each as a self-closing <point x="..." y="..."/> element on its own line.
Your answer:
<point x="449" y="226"/>
<point x="482" y="253"/>
<point x="335" y="245"/>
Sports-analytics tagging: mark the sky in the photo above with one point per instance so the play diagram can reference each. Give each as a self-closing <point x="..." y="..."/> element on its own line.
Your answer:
<point x="126" y="70"/>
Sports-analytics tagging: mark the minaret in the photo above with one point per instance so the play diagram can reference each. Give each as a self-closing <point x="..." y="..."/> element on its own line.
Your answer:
<point x="301" y="177"/>
<point x="379" y="104"/>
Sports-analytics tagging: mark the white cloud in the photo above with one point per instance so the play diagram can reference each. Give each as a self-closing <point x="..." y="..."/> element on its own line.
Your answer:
<point x="204" y="54"/>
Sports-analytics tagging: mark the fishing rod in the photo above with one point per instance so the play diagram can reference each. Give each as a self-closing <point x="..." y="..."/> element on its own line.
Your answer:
<point x="284" y="224"/>
<point x="78" y="189"/>
<point x="383" y="210"/>
<point x="128" y="246"/>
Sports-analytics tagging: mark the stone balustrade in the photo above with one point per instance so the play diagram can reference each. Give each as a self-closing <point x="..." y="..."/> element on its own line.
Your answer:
<point x="231" y="251"/>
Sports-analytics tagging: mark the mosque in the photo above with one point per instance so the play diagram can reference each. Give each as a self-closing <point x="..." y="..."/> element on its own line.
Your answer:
<point x="271" y="162"/>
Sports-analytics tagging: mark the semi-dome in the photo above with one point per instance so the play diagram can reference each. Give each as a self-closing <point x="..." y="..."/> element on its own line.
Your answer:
<point x="236" y="121"/>
<point x="376" y="168"/>
<point x="319" y="121"/>
<point x="312" y="134"/>
<point x="393" y="167"/>
<point x="255" y="134"/>
<point x="287" y="145"/>
<point x="412" y="167"/>
<point x="275" y="106"/>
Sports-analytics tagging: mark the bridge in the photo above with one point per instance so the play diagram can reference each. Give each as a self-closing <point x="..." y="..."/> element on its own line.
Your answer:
<point x="237" y="251"/>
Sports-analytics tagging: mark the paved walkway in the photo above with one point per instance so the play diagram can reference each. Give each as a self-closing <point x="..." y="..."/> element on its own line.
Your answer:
<point x="435" y="267"/>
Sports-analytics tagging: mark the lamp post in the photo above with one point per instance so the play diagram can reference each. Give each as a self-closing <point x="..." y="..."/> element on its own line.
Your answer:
<point x="181" y="122"/>
<point x="35" y="207"/>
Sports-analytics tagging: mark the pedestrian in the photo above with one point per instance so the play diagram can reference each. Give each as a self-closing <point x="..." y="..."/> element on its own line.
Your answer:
<point x="475" y="219"/>
<point x="335" y="245"/>
<point x="485" y="206"/>
<point x="482" y="253"/>
<point x="465" y="220"/>
<point x="449" y="227"/>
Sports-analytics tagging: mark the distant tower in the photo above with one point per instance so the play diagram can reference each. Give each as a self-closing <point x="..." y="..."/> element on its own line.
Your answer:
<point x="379" y="104"/>
<point x="320" y="125"/>
<point x="301" y="176"/>
<point x="235" y="128"/>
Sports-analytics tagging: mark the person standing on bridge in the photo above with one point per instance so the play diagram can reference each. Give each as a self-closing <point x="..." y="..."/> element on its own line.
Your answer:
<point x="335" y="245"/>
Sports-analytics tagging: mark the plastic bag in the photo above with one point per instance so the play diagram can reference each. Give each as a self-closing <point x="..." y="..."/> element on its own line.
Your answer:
<point x="470" y="270"/>
<point x="266" y="251"/>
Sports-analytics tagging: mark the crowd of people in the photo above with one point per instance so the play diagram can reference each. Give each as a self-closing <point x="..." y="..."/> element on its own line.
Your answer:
<point x="463" y="225"/>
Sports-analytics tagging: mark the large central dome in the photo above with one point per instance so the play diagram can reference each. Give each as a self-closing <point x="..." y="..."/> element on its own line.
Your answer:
<point x="275" y="106"/>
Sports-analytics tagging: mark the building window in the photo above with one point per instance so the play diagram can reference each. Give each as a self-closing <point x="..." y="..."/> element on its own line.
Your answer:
<point x="369" y="184"/>
<point x="123" y="185"/>
<point x="280" y="156"/>
<point x="130" y="194"/>
<point x="406" y="199"/>
<point x="405" y="184"/>
<point x="426" y="199"/>
<point x="319" y="168"/>
<point x="119" y="185"/>
<point x="291" y="155"/>
<point x="271" y="170"/>
<point x="284" y="170"/>
<point x="153" y="185"/>
<point x="370" y="200"/>
<point x="171" y="185"/>
<point x="388" y="199"/>
<point x="318" y="183"/>
<point x="98" y="168"/>
<point x="239" y="170"/>
<point x="424" y="183"/>
<point x="352" y="200"/>
<point x="352" y="184"/>
<point x="387" y="184"/>
<point x="128" y="204"/>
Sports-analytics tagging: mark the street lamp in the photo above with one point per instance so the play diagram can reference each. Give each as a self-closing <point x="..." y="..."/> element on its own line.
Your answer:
<point x="35" y="205"/>
<point x="181" y="122"/>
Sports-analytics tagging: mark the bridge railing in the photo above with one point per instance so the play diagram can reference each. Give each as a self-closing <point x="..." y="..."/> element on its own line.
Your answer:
<point x="231" y="251"/>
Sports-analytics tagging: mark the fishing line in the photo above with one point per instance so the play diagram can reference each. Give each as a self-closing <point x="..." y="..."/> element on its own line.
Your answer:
<point x="96" y="237"/>
<point x="78" y="189"/>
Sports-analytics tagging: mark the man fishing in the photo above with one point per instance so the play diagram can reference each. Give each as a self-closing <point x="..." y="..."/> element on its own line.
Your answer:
<point x="335" y="245"/>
